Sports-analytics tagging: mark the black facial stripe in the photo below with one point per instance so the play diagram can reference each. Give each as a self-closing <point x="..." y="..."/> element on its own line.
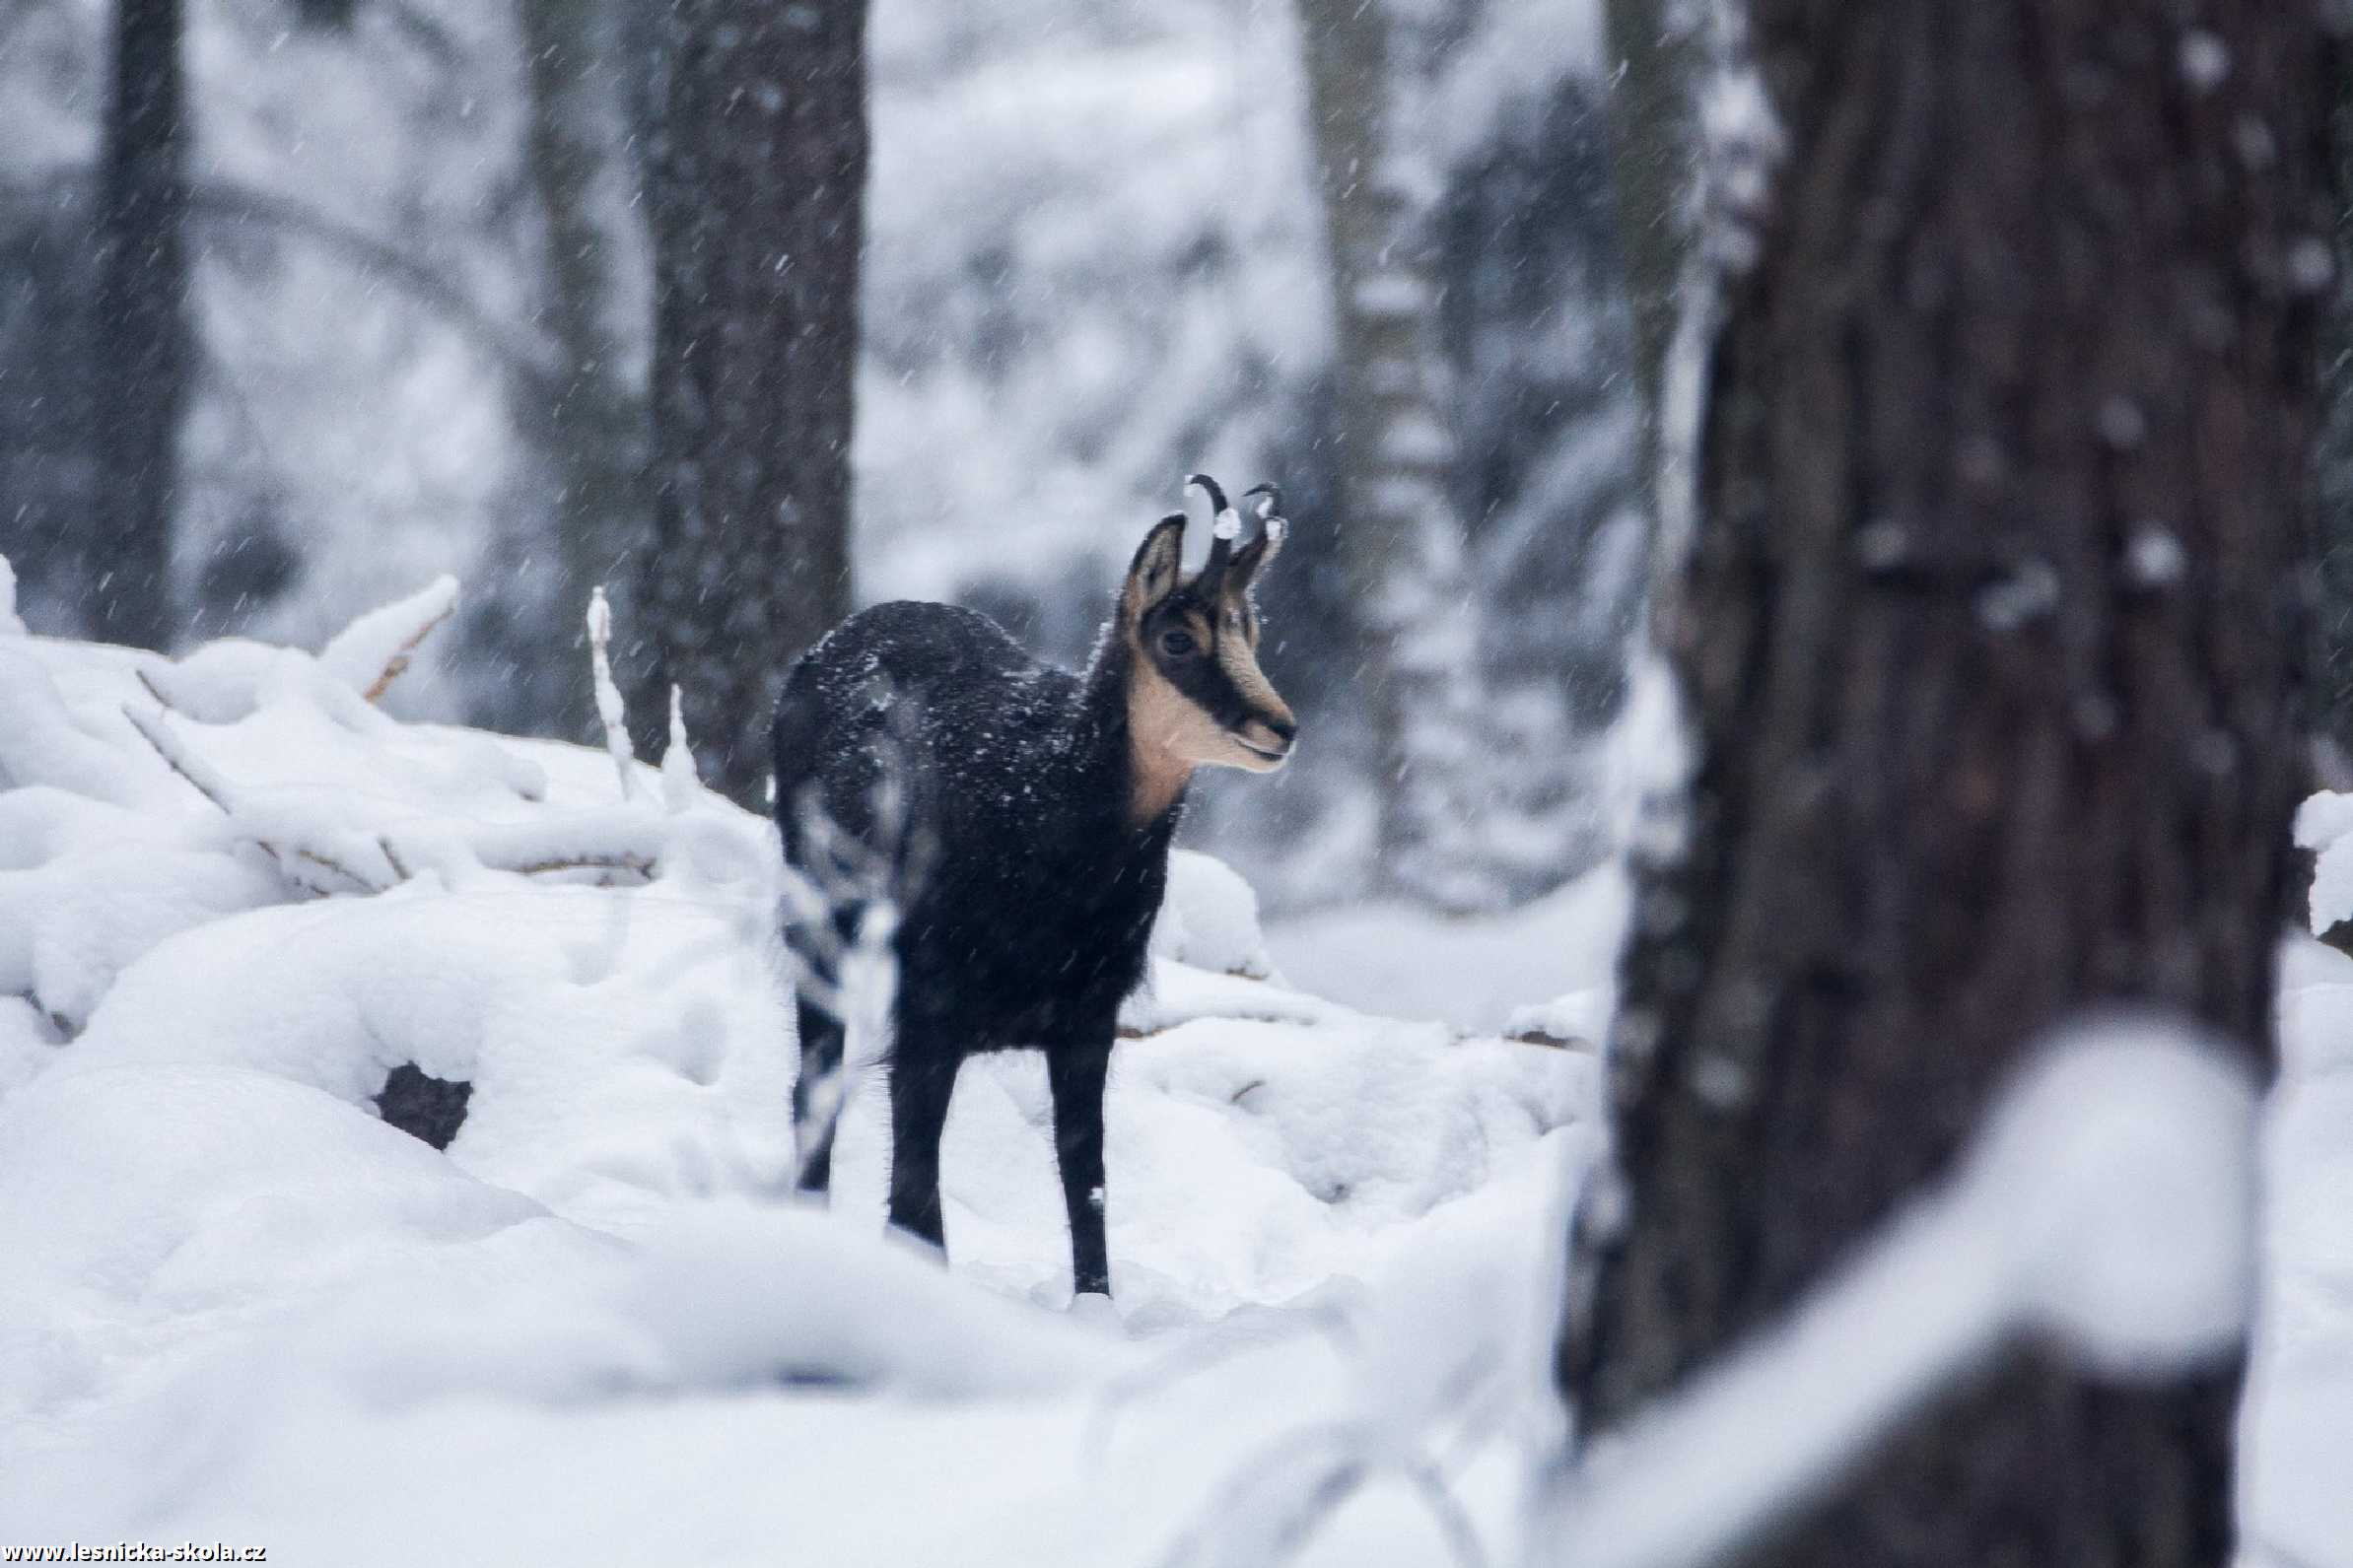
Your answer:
<point x="1205" y="683"/>
<point x="1198" y="676"/>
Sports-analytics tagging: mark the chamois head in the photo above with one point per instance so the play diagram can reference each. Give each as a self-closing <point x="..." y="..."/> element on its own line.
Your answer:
<point x="1195" y="694"/>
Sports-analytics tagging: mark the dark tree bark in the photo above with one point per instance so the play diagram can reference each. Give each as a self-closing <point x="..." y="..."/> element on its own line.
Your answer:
<point x="1654" y="65"/>
<point x="2333" y="469"/>
<point x="589" y="432"/>
<point x="140" y="344"/>
<point x="758" y="192"/>
<point x="49" y="470"/>
<point x="1994" y="637"/>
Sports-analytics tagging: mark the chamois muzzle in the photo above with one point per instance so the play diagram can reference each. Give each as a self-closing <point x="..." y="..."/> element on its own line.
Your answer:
<point x="1270" y="739"/>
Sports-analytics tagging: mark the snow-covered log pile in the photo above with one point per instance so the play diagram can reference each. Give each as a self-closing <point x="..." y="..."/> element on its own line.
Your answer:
<point x="236" y="896"/>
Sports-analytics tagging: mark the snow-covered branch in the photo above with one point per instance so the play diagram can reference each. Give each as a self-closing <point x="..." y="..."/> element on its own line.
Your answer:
<point x="375" y="651"/>
<point x="327" y="838"/>
<point x="302" y="848"/>
<point x="611" y="711"/>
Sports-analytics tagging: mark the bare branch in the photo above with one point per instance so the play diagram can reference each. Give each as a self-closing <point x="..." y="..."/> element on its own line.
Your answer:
<point x="293" y="863"/>
<point x="200" y="775"/>
<point x="236" y="205"/>
<point x="232" y="203"/>
<point x="642" y="865"/>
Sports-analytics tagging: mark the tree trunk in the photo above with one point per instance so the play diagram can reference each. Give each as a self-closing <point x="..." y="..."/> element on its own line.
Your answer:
<point x="592" y="437"/>
<point x="1654" y="65"/>
<point x="2333" y="468"/>
<point x="1402" y="540"/>
<point x="1995" y="640"/>
<point x="140" y="341"/>
<point x="758" y="193"/>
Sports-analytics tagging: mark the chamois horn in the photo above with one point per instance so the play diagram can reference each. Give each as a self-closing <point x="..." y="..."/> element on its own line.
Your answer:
<point x="1227" y="528"/>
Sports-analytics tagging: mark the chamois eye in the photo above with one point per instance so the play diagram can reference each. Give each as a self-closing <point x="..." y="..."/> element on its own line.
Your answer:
<point x="1177" y="645"/>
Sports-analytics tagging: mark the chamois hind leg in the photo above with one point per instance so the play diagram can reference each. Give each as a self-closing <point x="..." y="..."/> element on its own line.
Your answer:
<point x="1076" y="1074"/>
<point x="820" y="1066"/>
<point x="922" y="1083"/>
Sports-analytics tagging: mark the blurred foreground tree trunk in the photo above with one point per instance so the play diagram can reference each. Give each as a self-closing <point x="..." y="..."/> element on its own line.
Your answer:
<point x="140" y="345"/>
<point x="1399" y="535"/>
<point x="2334" y="467"/>
<point x="758" y="192"/>
<point x="1994" y="639"/>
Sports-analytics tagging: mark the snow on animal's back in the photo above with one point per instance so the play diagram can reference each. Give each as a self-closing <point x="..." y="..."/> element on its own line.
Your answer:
<point x="984" y="715"/>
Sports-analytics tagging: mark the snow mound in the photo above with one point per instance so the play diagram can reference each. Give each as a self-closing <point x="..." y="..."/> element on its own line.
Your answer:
<point x="1475" y="973"/>
<point x="1209" y="919"/>
<point x="1577" y="1018"/>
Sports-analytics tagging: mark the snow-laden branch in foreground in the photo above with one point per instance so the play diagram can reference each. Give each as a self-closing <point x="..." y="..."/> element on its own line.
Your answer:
<point x="2108" y="1207"/>
<point x="315" y="845"/>
<point x="301" y="842"/>
<point x="11" y="623"/>
<point x="840" y="910"/>
<point x="610" y="709"/>
<point x="2324" y="824"/>
<point x="375" y="649"/>
<point x="681" y="780"/>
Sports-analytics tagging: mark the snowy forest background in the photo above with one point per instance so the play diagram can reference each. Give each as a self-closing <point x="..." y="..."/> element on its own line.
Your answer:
<point x="1095" y="261"/>
<point x="1823" y="569"/>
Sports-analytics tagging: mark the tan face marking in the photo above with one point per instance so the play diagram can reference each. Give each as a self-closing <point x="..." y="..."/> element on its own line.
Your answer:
<point x="1238" y="657"/>
<point x="1169" y="734"/>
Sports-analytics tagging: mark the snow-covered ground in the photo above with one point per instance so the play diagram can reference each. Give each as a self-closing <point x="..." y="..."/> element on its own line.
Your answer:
<point x="1487" y="973"/>
<point x="236" y="1306"/>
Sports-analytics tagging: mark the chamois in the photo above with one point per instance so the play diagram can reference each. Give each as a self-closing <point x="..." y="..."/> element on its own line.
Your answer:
<point x="1045" y="800"/>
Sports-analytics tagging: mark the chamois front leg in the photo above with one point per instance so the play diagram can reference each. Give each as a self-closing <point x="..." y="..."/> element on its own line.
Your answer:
<point x="1077" y="1072"/>
<point x="922" y="1082"/>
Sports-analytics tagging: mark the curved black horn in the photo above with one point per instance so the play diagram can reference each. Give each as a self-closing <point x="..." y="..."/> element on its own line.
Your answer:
<point x="1209" y="487"/>
<point x="1227" y="527"/>
<point x="1272" y="507"/>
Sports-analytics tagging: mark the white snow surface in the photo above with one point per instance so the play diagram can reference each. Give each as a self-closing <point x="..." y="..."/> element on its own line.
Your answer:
<point x="1480" y="972"/>
<point x="240" y="1307"/>
<point x="233" y="895"/>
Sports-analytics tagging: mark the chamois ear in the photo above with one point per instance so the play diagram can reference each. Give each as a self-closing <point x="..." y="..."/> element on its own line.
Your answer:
<point x="1154" y="573"/>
